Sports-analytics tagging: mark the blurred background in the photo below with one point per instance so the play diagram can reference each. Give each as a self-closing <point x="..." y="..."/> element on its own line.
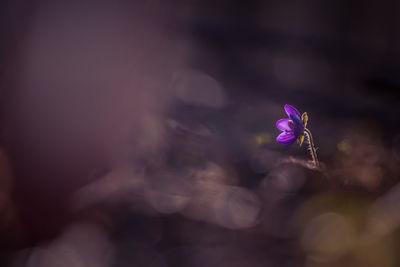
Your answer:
<point x="142" y="133"/>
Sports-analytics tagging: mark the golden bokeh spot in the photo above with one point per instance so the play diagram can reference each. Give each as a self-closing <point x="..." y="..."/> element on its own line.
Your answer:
<point x="263" y="139"/>
<point x="344" y="146"/>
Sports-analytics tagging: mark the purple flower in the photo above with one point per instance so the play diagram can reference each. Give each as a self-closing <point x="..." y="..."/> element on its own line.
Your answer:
<point x="292" y="128"/>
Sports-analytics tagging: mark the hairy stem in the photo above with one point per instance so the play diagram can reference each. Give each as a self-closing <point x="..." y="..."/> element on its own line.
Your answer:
<point x="311" y="147"/>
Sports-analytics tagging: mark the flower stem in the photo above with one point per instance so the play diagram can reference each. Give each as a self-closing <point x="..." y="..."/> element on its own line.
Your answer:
<point x="311" y="147"/>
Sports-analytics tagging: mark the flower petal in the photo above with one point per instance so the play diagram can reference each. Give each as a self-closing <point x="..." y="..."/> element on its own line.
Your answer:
<point x="285" y="125"/>
<point x="296" y="119"/>
<point x="291" y="110"/>
<point x="286" y="138"/>
<point x="298" y="125"/>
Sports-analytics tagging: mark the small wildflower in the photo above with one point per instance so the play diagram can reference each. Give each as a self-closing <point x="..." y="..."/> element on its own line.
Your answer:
<point x="294" y="128"/>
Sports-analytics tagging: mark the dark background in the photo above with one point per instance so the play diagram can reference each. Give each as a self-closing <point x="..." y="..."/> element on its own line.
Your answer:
<point x="142" y="133"/>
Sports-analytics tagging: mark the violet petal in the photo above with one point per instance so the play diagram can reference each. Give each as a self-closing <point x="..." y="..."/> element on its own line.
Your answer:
<point x="298" y="125"/>
<point x="286" y="138"/>
<point x="291" y="110"/>
<point x="284" y="125"/>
